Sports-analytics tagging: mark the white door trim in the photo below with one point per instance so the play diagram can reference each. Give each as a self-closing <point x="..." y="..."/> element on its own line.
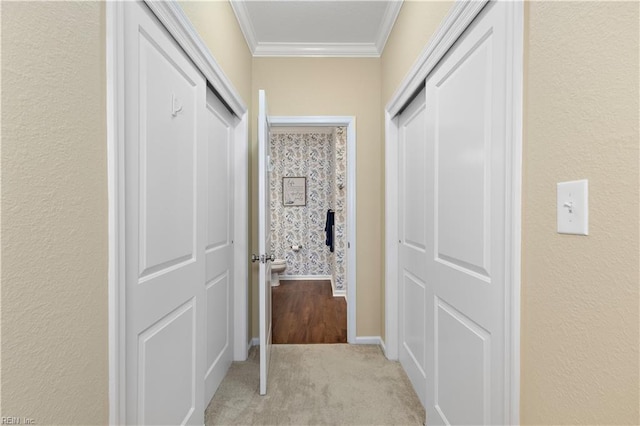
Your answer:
<point x="350" y="124"/>
<point x="178" y="25"/>
<point x="458" y="19"/>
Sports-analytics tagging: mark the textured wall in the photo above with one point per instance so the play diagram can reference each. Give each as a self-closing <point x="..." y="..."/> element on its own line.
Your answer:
<point x="308" y="155"/>
<point x="54" y="213"/>
<point x="416" y="23"/>
<point x="580" y="294"/>
<point x="336" y="86"/>
<point x="217" y="25"/>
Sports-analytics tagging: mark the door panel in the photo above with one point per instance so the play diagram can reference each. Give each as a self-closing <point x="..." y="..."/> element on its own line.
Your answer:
<point x="413" y="246"/>
<point x="413" y="175"/>
<point x="164" y="214"/>
<point x="462" y="350"/>
<point x="264" y="240"/>
<point x="463" y="236"/>
<point x="466" y="134"/>
<point x="219" y="177"/>
<point x="414" y="319"/>
<point x="171" y="338"/>
<point x="167" y="210"/>
<point x="219" y="246"/>
<point x="218" y="337"/>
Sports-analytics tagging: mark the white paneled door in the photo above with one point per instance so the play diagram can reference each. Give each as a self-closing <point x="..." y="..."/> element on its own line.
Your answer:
<point x="453" y="215"/>
<point x="219" y="243"/>
<point x="415" y="243"/>
<point x="264" y="240"/>
<point x="466" y="137"/>
<point x="165" y="159"/>
<point x="178" y="256"/>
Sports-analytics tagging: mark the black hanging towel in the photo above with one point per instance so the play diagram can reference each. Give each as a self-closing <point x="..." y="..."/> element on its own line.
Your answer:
<point x="328" y="229"/>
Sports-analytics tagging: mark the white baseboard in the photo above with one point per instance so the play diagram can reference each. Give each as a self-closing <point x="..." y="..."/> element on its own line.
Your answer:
<point x="369" y="340"/>
<point x="254" y="342"/>
<point x="340" y="293"/>
<point x="337" y="293"/>
<point x="305" y="277"/>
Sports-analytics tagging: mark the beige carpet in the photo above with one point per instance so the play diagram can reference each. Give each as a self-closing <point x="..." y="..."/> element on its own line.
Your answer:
<point x="317" y="385"/>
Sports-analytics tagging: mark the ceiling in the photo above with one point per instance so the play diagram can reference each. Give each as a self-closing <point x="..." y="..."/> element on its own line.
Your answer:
<point x="316" y="27"/>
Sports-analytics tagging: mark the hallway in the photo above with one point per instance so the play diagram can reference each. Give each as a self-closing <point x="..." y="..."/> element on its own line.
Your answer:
<point x="317" y="384"/>
<point x="112" y="159"/>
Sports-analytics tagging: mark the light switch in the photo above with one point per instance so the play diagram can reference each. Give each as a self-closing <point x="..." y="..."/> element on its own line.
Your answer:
<point x="573" y="207"/>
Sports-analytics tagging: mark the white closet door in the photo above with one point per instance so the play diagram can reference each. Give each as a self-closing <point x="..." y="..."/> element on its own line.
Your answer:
<point x="415" y="243"/>
<point x="466" y="134"/>
<point x="219" y="243"/>
<point x="165" y="186"/>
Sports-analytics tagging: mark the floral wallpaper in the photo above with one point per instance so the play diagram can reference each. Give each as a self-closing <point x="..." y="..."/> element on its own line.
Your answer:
<point x="312" y="155"/>
<point x="339" y="261"/>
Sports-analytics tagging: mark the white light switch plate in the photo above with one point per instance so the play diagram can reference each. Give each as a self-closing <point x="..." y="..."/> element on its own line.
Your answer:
<point x="573" y="207"/>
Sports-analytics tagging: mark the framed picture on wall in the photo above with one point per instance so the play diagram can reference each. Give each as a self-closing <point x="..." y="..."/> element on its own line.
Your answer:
<point x="294" y="191"/>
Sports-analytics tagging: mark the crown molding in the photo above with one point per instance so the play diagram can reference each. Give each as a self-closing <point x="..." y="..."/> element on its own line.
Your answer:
<point x="388" y="21"/>
<point x="365" y="50"/>
<point x="242" y="15"/>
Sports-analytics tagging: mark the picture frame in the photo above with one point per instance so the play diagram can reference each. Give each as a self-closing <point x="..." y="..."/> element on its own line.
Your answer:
<point x="294" y="191"/>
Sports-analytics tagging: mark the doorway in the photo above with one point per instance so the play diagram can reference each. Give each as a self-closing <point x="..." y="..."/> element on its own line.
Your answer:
<point x="333" y="281"/>
<point x="308" y="234"/>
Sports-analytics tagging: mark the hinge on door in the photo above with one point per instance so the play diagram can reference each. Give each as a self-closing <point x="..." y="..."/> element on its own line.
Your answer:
<point x="348" y="245"/>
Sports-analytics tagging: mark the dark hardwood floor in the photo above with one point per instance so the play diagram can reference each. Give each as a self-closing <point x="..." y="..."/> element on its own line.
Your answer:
<point x="306" y="312"/>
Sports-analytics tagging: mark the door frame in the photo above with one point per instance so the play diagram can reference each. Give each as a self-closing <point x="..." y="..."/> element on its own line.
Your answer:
<point x="350" y="123"/>
<point x="174" y="20"/>
<point x="455" y="23"/>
